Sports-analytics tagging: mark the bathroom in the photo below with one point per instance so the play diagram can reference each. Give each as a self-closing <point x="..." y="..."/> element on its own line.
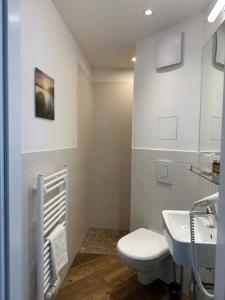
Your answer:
<point x="133" y="129"/>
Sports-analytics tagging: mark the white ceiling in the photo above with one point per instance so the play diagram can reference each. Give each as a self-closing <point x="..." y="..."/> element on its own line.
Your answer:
<point x="106" y="30"/>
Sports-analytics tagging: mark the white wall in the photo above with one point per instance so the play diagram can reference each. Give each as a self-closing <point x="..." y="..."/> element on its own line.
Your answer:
<point x="156" y="95"/>
<point x="113" y="75"/>
<point x="48" y="45"/>
<point x="174" y="93"/>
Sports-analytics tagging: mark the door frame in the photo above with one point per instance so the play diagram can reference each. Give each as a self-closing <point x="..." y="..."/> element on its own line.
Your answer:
<point x="12" y="103"/>
<point x="13" y="167"/>
<point x="2" y="162"/>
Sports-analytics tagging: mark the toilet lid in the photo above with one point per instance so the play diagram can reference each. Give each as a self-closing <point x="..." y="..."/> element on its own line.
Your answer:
<point x="143" y="244"/>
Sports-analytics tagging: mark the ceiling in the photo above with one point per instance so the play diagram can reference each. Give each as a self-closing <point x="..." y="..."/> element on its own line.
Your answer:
<point x="107" y="30"/>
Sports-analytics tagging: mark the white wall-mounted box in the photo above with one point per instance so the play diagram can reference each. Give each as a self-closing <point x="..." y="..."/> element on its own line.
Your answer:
<point x="165" y="171"/>
<point x="169" y="51"/>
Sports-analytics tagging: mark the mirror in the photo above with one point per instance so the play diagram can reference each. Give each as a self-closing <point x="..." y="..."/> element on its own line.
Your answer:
<point x="213" y="60"/>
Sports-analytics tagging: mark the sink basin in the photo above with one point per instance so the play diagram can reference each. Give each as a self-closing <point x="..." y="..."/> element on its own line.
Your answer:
<point x="177" y="232"/>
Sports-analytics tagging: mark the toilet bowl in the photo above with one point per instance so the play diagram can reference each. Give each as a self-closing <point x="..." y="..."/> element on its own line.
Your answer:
<point x="146" y="252"/>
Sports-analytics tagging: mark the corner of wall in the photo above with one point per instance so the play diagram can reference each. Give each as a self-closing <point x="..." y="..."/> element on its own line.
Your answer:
<point x="112" y="74"/>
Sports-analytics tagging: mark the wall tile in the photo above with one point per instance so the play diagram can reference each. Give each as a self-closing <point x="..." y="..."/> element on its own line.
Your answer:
<point x="148" y="195"/>
<point x="111" y="166"/>
<point x="149" y="198"/>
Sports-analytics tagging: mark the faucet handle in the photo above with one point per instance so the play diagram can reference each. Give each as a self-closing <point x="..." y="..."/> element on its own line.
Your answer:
<point x="209" y="210"/>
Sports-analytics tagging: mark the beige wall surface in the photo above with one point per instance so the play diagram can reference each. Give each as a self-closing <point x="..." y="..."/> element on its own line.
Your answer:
<point x="111" y="160"/>
<point x="47" y="162"/>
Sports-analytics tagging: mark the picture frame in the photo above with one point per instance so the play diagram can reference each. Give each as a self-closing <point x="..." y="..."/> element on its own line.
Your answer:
<point x="44" y="96"/>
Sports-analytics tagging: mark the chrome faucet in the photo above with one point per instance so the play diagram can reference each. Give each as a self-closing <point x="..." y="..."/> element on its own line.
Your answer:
<point x="208" y="206"/>
<point x="212" y="215"/>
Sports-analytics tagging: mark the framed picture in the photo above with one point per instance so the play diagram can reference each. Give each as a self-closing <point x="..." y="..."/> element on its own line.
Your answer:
<point x="44" y="96"/>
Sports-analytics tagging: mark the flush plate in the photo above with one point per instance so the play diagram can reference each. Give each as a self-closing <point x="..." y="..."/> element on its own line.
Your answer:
<point x="165" y="170"/>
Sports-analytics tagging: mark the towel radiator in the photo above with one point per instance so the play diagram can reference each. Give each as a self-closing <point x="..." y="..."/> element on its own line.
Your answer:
<point x="52" y="193"/>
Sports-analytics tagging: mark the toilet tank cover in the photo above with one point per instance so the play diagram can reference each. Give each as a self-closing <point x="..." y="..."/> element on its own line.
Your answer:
<point x="143" y="244"/>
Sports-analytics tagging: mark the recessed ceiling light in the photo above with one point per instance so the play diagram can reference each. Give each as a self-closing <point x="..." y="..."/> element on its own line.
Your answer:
<point x="134" y="59"/>
<point x="216" y="10"/>
<point x="148" y="12"/>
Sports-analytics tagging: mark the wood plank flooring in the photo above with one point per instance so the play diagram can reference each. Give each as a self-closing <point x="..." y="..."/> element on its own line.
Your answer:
<point x="106" y="277"/>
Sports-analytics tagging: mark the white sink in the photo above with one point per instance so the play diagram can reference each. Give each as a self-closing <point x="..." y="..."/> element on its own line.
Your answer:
<point x="177" y="233"/>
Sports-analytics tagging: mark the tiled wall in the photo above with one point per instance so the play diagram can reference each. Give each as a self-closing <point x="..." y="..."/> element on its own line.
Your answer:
<point x="149" y="198"/>
<point x="111" y="167"/>
<point x="47" y="162"/>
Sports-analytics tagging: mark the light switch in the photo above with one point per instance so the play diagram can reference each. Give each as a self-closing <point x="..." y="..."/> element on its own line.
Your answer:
<point x="165" y="171"/>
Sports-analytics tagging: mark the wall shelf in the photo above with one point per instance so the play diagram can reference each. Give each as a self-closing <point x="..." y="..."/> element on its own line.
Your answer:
<point x="212" y="177"/>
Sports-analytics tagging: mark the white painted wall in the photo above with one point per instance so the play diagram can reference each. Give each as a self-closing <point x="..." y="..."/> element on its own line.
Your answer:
<point x="48" y="45"/>
<point x="180" y="95"/>
<point x="113" y="75"/>
<point x="156" y="95"/>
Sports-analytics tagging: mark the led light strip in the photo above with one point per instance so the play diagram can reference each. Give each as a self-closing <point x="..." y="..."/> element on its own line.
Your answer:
<point x="216" y="11"/>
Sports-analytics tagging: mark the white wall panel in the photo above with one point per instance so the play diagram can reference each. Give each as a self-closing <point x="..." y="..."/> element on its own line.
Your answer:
<point x="48" y="45"/>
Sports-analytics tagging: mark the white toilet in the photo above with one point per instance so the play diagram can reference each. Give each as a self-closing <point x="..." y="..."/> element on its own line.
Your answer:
<point x="146" y="252"/>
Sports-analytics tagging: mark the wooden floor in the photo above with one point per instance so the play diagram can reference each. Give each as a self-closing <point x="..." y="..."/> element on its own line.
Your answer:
<point x="106" y="277"/>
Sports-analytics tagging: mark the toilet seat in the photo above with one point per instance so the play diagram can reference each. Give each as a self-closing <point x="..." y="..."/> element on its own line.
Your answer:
<point x="143" y="245"/>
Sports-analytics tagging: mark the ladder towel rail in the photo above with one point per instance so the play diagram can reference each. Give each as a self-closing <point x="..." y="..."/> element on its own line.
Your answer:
<point x="50" y="213"/>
